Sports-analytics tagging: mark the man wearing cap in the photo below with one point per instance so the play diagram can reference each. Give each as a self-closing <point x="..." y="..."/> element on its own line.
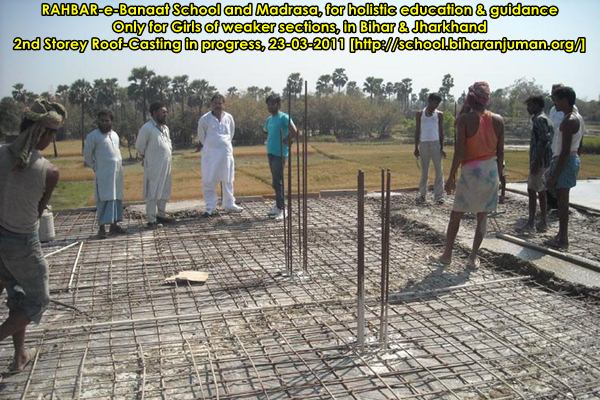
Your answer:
<point x="101" y="153"/>
<point x="27" y="180"/>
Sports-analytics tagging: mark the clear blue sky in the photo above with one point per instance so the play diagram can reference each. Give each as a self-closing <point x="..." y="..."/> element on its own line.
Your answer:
<point x="44" y="71"/>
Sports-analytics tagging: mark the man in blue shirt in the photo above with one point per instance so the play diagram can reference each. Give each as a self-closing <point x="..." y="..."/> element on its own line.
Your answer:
<point x="277" y="127"/>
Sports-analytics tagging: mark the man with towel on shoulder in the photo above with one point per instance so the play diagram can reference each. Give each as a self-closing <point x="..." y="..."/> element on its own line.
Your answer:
<point x="27" y="180"/>
<point x="479" y="150"/>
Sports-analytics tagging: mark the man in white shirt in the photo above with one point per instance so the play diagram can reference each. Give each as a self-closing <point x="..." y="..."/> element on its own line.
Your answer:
<point x="429" y="146"/>
<point x="154" y="145"/>
<point x="215" y="131"/>
<point x="101" y="153"/>
<point x="564" y="167"/>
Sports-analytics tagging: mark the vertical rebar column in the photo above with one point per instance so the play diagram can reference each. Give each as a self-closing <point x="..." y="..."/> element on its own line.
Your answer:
<point x="305" y="181"/>
<point x="360" y="323"/>
<point x="289" y="204"/>
<point x="387" y="256"/>
<point x="299" y="194"/>
<point x="285" y="235"/>
<point x="382" y="283"/>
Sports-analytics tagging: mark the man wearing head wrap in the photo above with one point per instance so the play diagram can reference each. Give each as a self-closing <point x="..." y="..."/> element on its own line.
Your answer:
<point x="101" y="153"/>
<point x="479" y="150"/>
<point x="154" y="145"/>
<point x="27" y="180"/>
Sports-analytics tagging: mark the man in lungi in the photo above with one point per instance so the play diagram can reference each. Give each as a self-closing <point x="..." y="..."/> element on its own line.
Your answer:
<point x="154" y="145"/>
<point x="101" y="153"/>
<point x="27" y="180"/>
<point x="564" y="167"/>
<point x="540" y="154"/>
<point x="479" y="150"/>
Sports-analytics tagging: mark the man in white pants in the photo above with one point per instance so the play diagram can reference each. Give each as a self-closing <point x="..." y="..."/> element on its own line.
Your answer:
<point x="154" y="144"/>
<point x="215" y="131"/>
<point x="429" y="145"/>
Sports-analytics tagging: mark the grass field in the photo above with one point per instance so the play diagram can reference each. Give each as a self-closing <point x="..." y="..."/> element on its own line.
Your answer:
<point x="331" y="166"/>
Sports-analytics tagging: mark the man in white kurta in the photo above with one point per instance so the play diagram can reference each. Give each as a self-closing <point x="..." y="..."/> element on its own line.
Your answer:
<point x="215" y="131"/>
<point x="154" y="145"/>
<point x="101" y="153"/>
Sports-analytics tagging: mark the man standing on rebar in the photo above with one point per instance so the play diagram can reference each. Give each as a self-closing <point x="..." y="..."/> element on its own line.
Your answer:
<point x="564" y="167"/>
<point x="215" y="132"/>
<point x="278" y="141"/>
<point x="479" y="150"/>
<point x="429" y="146"/>
<point x="154" y="145"/>
<point x="27" y="180"/>
<point x="540" y="154"/>
<point x="101" y="153"/>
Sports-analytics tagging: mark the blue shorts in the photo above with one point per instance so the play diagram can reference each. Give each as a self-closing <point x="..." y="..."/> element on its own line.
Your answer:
<point x="568" y="177"/>
<point x="24" y="273"/>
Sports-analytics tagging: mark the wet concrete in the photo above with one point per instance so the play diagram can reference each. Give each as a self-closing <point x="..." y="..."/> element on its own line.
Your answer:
<point x="586" y="193"/>
<point x="436" y="219"/>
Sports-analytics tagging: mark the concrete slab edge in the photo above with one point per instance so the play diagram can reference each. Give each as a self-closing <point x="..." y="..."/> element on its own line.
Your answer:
<point x="572" y="258"/>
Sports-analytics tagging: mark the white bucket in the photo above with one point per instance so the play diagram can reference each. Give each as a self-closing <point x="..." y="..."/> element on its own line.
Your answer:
<point x="46" y="230"/>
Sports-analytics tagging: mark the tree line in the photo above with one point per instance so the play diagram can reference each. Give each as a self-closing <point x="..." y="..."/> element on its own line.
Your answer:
<point x="338" y="108"/>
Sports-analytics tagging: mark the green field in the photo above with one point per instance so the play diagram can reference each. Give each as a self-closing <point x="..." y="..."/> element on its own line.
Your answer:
<point x="331" y="166"/>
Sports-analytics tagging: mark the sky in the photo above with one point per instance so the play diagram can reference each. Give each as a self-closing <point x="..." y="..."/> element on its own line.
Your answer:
<point x="43" y="70"/>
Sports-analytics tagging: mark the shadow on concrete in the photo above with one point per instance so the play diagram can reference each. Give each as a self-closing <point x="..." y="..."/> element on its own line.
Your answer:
<point x="431" y="285"/>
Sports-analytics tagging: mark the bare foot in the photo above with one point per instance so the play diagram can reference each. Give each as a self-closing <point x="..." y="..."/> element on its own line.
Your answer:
<point x="473" y="262"/>
<point x="21" y="360"/>
<point x="440" y="260"/>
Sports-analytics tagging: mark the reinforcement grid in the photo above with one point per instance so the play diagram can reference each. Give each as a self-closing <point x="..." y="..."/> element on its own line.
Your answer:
<point x="251" y="332"/>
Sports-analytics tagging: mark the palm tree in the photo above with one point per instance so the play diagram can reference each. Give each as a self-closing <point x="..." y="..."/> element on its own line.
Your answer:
<point x="323" y="85"/>
<point x="294" y="84"/>
<point x="80" y="93"/>
<point x="352" y="89"/>
<point x="159" y="89"/>
<point x="389" y="89"/>
<point x="180" y="85"/>
<point x="19" y="93"/>
<point x="104" y="92"/>
<point x="253" y="91"/>
<point x="339" y="78"/>
<point x="447" y="84"/>
<point x="423" y="95"/>
<point x="141" y="79"/>
<point x="372" y="86"/>
<point x="232" y="91"/>
<point x="407" y="82"/>
<point x="199" y="91"/>
<point x="62" y="92"/>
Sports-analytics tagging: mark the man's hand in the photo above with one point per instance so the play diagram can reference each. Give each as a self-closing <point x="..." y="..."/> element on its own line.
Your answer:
<point x="416" y="152"/>
<point x="450" y="185"/>
<point x="443" y="153"/>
